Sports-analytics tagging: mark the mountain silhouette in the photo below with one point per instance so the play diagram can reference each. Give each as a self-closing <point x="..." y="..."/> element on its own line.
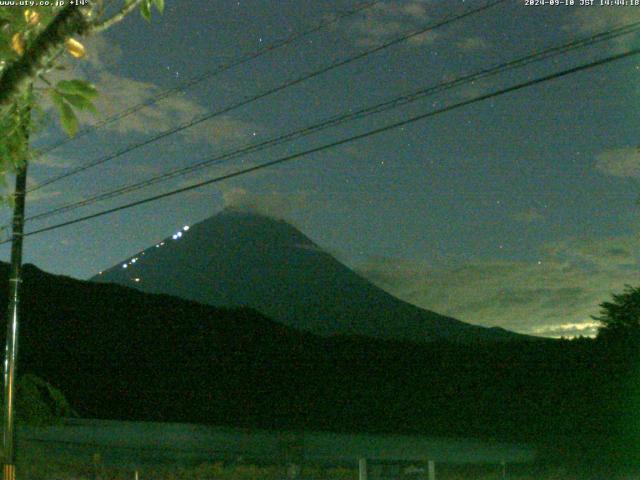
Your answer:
<point x="243" y="259"/>
<point x="118" y="353"/>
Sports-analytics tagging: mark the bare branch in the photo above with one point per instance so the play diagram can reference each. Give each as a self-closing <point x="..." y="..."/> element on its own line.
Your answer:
<point x="118" y="17"/>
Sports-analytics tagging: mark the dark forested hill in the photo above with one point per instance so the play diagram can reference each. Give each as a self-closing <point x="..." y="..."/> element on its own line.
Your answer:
<point x="123" y="354"/>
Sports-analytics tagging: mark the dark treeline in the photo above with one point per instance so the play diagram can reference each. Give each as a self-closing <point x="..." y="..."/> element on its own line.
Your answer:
<point x="117" y="353"/>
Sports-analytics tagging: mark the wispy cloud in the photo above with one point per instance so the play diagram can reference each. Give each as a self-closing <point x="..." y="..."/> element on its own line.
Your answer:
<point x="272" y="203"/>
<point x="119" y="93"/>
<point x="553" y="296"/>
<point x="472" y="44"/>
<point x="52" y="161"/>
<point x="594" y="20"/>
<point x="387" y="20"/>
<point x="40" y="195"/>
<point x="619" y="162"/>
<point x="587" y="328"/>
<point x="530" y="215"/>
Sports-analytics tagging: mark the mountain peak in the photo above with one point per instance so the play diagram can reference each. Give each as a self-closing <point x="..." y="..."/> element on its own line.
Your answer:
<point x="240" y="257"/>
<point x="246" y="224"/>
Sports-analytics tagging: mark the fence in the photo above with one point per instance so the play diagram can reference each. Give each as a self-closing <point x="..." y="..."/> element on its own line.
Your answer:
<point x="106" y="450"/>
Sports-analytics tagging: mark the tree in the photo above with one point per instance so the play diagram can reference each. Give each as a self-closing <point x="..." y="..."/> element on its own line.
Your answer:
<point x="620" y="318"/>
<point x="40" y="403"/>
<point x="32" y="43"/>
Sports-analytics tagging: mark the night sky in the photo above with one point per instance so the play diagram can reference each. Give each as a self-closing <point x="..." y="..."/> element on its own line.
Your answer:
<point x="520" y="211"/>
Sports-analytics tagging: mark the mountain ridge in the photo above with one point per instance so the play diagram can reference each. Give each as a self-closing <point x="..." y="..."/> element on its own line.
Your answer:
<point x="118" y="353"/>
<point x="241" y="258"/>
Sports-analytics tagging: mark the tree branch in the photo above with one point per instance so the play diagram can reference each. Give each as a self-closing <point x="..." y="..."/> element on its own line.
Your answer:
<point x="118" y="17"/>
<point x="70" y="21"/>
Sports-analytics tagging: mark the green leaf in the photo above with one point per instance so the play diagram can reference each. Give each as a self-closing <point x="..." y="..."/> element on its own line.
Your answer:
<point x="145" y="10"/>
<point x="77" y="87"/>
<point x="67" y="117"/>
<point x="81" y="103"/>
<point x="159" y="5"/>
<point x="69" y="120"/>
<point x="57" y="99"/>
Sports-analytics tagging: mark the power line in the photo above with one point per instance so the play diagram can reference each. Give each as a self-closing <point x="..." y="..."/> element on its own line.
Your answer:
<point x="339" y="142"/>
<point x="264" y="94"/>
<point x="339" y="119"/>
<point x="208" y="75"/>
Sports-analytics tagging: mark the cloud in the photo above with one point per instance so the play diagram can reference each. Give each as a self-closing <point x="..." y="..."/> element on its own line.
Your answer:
<point x="39" y="195"/>
<point x="52" y="161"/>
<point x="118" y="93"/>
<point x="555" y="297"/>
<point x="531" y="215"/>
<point x="102" y="53"/>
<point x="424" y="38"/>
<point x="274" y="204"/>
<point x="568" y="329"/>
<point x="472" y="44"/>
<point x="594" y="20"/>
<point x="387" y="20"/>
<point x="620" y="162"/>
<point x="474" y="88"/>
<point x="607" y="253"/>
<point x="415" y="10"/>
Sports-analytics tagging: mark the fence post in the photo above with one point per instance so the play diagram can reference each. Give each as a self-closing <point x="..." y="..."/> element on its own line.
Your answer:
<point x="432" y="470"/>
<point x="362" y="469"/>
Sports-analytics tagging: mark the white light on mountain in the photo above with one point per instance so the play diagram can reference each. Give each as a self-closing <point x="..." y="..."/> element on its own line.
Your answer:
<point x="185" y="228"/>
<point x="136" y="279"/>
<point x="134" y="260"/>
<point x="124" y="265"/>
<point x="179" y="234"/>
<point x="175" y="236"/>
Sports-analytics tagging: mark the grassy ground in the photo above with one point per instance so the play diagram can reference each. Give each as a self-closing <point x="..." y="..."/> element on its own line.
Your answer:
<point x="95" y="469"/>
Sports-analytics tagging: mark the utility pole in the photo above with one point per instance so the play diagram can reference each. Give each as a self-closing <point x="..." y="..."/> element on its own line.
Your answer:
<point x="15" y="279"/>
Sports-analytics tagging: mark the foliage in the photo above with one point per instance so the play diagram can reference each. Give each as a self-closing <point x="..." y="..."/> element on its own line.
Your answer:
<point x="70" y="94"/>
<point x="23" y="30"/>
<point x="621" y="316"/>
<point x="39" y="403"/>
<point x="14" y="127"/>
<point x="19" y="28"/>
<point x="145" y="8"/>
